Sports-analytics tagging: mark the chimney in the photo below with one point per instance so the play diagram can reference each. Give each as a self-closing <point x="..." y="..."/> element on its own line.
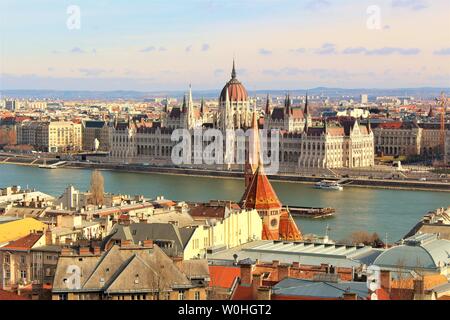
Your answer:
<point x="256" y="284"/>
<point x="284" y="271"/>
<point x="126" y="243"/>
<point x="385" y="280"/>
<point x="264" y="294"/>
<point x="419" y="286"/>
<point x="96" y="250"/>
<point x="350" y="296"/>
<point x="66" y="252"/>
<point x="296" y="265"/>
<point x="148" y="244"/>
<point x="84" y="251"/>
<point x="246" y="274"/>
<point x="48" y="237"/>
<point x="275" y="263"/>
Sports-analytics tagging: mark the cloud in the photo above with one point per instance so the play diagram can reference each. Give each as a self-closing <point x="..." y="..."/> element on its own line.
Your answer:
<point x="386" y="51"/>
<point x="415" y="5"/>
<point x="205" y="47"/>
<point x="161" y="49"/>
<point x="298" y="50"/>
<point x="188" y="48"/>
<point x="265" y="52"/>
<point x="148" y="49"/>
<point x="92" y="72"/>
<point x="218" y="72"/>
<point x="326" y="49"/>
<point x="315" y="5"/>
<point x="76" y="50"/>
<point x="442" y="52"/>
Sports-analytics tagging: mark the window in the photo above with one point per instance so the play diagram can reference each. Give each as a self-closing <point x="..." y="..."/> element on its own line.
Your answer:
<point x="197" y="295"/>
<point x="63" y="296"/>
<point x="7" y="259"/>
<point x="23" y="274"/>
<point x="180" y="295"/>
<point x="22" y="259"/>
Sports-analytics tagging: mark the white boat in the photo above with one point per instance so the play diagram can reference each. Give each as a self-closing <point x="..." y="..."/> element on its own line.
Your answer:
<point x="329" y="185"/>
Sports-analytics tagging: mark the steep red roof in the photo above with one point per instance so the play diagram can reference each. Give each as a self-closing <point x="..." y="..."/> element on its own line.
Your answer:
<point x="223" y="276"/>
<point x="23" y="244"/>
<point x="260" y="194"/>
<point x="243" y="293"/>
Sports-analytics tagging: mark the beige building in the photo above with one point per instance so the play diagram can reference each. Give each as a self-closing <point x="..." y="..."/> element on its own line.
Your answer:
<point x="398" y="138"/>
<point x="207" y="226"/>
<point x="342" y="144"/>
<point x="54" y="136"/>
<point x="16" y="261"/>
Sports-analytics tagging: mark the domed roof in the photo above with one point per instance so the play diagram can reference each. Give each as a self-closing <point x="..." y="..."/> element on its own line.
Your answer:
<point x="421" y="251"/>
<point x="236" y="90"/>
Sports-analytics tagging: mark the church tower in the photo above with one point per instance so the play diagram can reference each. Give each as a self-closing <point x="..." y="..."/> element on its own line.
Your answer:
<point x="253" y="152"/>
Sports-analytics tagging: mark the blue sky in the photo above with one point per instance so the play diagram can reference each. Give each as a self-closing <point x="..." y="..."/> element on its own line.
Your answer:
<point x="278" y="44"/>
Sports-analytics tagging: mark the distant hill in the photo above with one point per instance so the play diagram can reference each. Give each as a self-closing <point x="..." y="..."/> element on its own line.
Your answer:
<point x="425" y="92"/>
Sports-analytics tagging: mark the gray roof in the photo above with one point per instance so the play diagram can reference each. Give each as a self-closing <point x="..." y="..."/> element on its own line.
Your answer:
<point x="158" y="232"/>
<point x="421" y="251"/>
<point x="319" y="289"/>
<point x="306" y="253"/>
<point x="122" y="270"/>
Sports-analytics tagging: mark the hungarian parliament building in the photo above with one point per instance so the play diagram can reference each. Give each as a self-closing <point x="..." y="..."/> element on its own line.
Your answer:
<point x="305" y="143"/>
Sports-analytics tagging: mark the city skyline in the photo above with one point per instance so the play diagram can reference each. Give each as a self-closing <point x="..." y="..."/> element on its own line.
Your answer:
<point x="277" y="45"/>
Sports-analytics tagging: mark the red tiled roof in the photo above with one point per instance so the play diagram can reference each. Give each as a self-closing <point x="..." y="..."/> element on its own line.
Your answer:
<point x="222" y="276"/>
<point x="243" y="293"/>
<point x="260" y="194"/>
<point x="25" y="243"/>
<point x="5" y="295"/>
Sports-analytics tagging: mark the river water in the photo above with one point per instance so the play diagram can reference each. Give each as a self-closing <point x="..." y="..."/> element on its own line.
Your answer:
<point x="387" y="212"/>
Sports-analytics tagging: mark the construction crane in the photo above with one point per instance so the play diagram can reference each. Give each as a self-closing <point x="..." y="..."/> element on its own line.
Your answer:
<point x="442" y="102"/>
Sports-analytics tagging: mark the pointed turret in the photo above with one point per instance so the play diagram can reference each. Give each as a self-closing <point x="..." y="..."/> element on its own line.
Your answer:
<point x="267" y="111"/>
<point x="233" y="71"/>
<point x="184" y="106"/>
<point x="287" y="104"/>
<point x="166" y="106"/>
<point x="306" y="111"/>
<point x="202" y="106"/>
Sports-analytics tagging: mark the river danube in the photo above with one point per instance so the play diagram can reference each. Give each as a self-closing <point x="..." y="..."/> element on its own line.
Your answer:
<point x="391" y="212"/>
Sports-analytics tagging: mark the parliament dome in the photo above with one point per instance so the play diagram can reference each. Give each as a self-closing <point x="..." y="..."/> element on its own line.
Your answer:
<point x="236" y="90"/>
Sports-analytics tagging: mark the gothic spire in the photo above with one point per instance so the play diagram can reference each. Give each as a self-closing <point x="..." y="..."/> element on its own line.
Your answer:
<point x="233" y="72"/>
<point x="287" y="103"/>
<point x="306" y="111"/>
<point x="268" y="105"/>
<point x="183" y="108"/>
<point x="202" y="106"/>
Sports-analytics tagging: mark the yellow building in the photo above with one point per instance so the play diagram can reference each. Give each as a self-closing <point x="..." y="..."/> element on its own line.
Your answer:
<point x="14" y="230"/>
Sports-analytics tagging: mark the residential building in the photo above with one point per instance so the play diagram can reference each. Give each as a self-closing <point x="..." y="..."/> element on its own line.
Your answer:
<point x="129" y="272"/>
<point x="50" y="136"/>
<point x="16" y="260"/>
<point x="398" y="138"/>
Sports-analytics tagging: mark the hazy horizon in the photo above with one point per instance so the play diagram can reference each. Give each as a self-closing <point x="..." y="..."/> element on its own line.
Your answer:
<point x="150" y="46"/>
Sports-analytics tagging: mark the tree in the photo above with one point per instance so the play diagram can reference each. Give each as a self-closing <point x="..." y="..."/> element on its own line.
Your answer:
<point x="365" y="238"/>
<point x="97" y="189"/>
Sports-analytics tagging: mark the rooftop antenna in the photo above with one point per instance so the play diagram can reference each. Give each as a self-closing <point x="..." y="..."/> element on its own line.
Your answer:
<point x="386" y="241"/>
